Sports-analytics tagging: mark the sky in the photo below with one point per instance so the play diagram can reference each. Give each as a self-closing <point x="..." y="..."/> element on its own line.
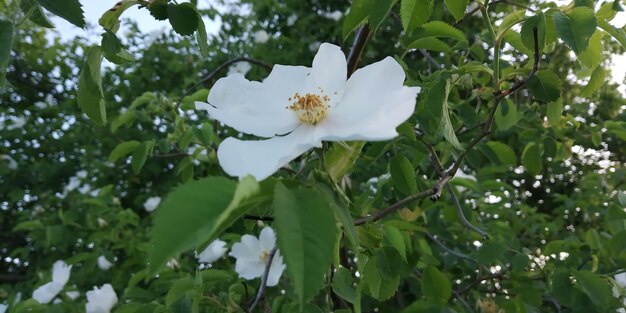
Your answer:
<point x="95" y="9"/>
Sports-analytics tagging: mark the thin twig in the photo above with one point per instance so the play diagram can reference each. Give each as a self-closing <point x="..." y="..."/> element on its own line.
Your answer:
<point x="362" y="35"/>
<point x="400" y="204"/>
<point x="258" y="218"/>
<point x="266" y="274"/>
<point x="444" y="247"/>
<point x="462" y="218"/>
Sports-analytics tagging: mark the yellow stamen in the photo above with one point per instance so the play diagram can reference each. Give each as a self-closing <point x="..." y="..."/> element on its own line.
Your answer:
<point x="310" y="108"/>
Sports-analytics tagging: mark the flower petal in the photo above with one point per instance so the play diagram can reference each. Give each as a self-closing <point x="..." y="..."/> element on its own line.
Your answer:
<point x="374" y="103"/>
<point x="61" y="272"/>
<point x="257" y="108"/>
<point x="213" y="252"/>
<point x="46" y="292"/>
<point x="267" y="238"/>
<point x="261" y="158"/>
<point x="329" y="71"/>
<point x="249" y="269"/>
<point x="276" y="270"/>
<point x="248" y="248"/>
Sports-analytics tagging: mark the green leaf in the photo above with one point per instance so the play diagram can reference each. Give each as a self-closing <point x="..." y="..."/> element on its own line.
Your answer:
<point x="430" y="43"/>
<point x="446" y="124"/>
<point x="531" y="158"/>
<point x="248" y="194"/>
<point x="545" y="85"/>
<point x="113" y="50"/>
<point x="435" y="285"/>
<point x="158" y="9"/>
<point x="403" y="174"/>
<point x="340" y="158"/>
<point x="528" y="38"/>
<point x="490" y="252"/>
<point x="304" y="219"/>
<point x="442" y="29"/>
<point x="188" y="102"/>
<point x="379" y="288"/>
<point x="561" y="286"/>
<point x="342" y="284"/>
<point x="187" y="217"/>
<point x="506" y="115"/>
<point x="576" y="27"/>
<point x="361" y="11"/>
<point x="6" y="40"/>
<point x="178" y="290"/>
<point x="617" y="33"/>
<point x="123" y="149"/>
<point x="396" y="239"/>
<point x="597" y="80"/>
<point x="592" y="56"/>
<point x="90" y="97"/>
<point x="388" y="262"/>
<point x="596" y="288"/>
<point x="618" y="242"/>
<point x="515" y="40"/>
<point x="554" y="112"/>
<point x="110" y="19"/>
<point x="342" y="214"/>
<point x="457" y="8"/>
<point x="414" y="13"/>
<point x="183" y="18"/>
<point x="32" y="9"/>
<point x="69" y="10"/>
<point x="509" y="21"/>
<point x="140" y="155"/>
<point x="202" y="37"/>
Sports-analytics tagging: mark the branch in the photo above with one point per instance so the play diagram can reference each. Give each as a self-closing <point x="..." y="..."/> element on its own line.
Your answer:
<point x="382" y="213"/>
<point x="259" y="293"/>
<point x="532" y="73"/>
<point x="362" y="35"/>
<point x="444" y="247"/>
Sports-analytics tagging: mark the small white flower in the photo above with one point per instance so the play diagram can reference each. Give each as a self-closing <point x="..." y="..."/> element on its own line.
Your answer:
<point x="60" y="275"/>
<point x="3" y="307"/>
<point x="252" y="254"/>
<point x="172" y="263"/>
<point x="72" y="184"/>
<point x="335" y="15"/>
<point x="11" y="164"/>
<point x="100" y="300"/>
<point x="81" y="174"/>
<point x="102" y="222"/>
<point x="73" y="295"/>
<point x="213" y="252"/>
<point x="297" y="108"/>
<point x="151" y="203"/>
<point x="292" y="20"/>
<point x="240" y="67"/>
<point x="103" y="263"/>
<point x="84" y="189"/>
<point x="261" y="36"/>
<point x="620" y="279"/>
<point x="18" y="122"/>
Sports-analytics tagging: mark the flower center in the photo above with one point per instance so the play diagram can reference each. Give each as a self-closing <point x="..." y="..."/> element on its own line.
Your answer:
<point x="264" y="255"/>
<point x="310" y="108"/>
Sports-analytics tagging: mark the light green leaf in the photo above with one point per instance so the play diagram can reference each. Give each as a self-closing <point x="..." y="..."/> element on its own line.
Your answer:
<point x="403" y="174"/>
<point x="303" y="218"/>
<point x="247" y="195"/>
<point x="446" y="124"/>
<point x="342" y="284"/>
<point x="372" y="11"/>
<point x="414" y="13"/>
<point x="379" y="288"/>
<point x="32" y="9"/>
<point x="545" y="85"/>
<point x="618" y="242"/>
<point x="457" y="8"/>
<point x="388" y="262"/>
<point x="187" y="217"/>
<point x="510" y="21"/>
<point x="110" y="19"/>
<point x="554" y="111"/>
<point x="592" y="56"/>
<point x="113" y="50"/>
<point x="342" y="214"/>
<point x="123" y="149"/>
<point x="528" y="38"/>
<point x="178" y="290"/>
<point x="90" y="97"/>
<point x="596" y="288"/>
<point x="202" y="37"/>
<point x="504" y="154"/>
<point x="69" y="10"/>
<point x="531" y="158"/>
<point x="6" y="40"/>
<point x="430" y="43"/>
<point x="515" y="40"/>
<point x="597" y="80"/>
<point x="140" y="155"/>
<point x="396" y="239"/>
<point x="442" y="29"/>
<point x="576" y="27"/>
<point x="617" y="33"/>
<point x="183" y="17"/>
<point x="506" y="115"/>
<point x="341" y="157"/>
<point x="435" y="285"/>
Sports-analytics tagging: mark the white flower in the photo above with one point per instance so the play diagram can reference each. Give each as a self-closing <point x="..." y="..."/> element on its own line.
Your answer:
<point x="252" y="255"/>
<point x="102" y="222"/>
<point x="3" y="307"/>
<point x="81" y="174"/>
<point x="240" y="67"/>
<point x="335" y="15"/>
<point x="60" y="275"/>
<point x="18" y="122"/>
<point x="620" y="279"/>
<point x="100" y="300"/>
<point x="72" y="184"/>
<point x="261" y="36"/>
<point x="299" y="107"/>
<point x="103" y="263"/>
<point x="292" y="20"/>
<point x="151" y="203"/>
<point x="213" y="252"/>
<point x="172" y="263"/>
<point x="73" y="295"/>
<point x="84" y="189"/>
<point x="12" y="165"/>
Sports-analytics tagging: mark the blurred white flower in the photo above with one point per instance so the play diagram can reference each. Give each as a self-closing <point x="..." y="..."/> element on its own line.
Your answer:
<point x="212" y="252"/>
<point x="72" y="184"/>
<point x="73" y="295"/>
<point x="297" y="108"/>
<point x="11" y="164"/>
<point x="261" y="36"/>
<point x="240" y="67"/>
<point x="620" y="279"/>
<point x="335" y="15"/>
<point x="172" y="263"/>
<point x="103" y="263"/>
<point x="292" y="20"/>
<point x="151" y="203"/>
<point x="3" y="307"/>
<point x="81" y="174"/>
<point x="100" y="300"/>
<point x="17" y="122"/>
<point x="102" y="222"/>
<point x="252" y="255"/>
<point x="84" y="189"/>
<point x="60" y="275"/>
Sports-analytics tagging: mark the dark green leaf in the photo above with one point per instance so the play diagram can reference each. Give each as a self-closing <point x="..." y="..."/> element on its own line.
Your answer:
<point x="435" y="285"/>
<point x="597" y="80"/>
<point x="576" y="27"/>
<point x="596" y="288"/>
<point x="123" y="149"/>
<point x="403" y="174"/>
<point x="394" y="236"/>
<point x="140" y="155"/>
<point x="90" y="96"/>
<point x="430" y="43"/>
<point x="33" y="10"/>
<point x="178" y="290"/>
<point x="506" y="115"/>
<point x="113" y="50"/>
<point x="442" y="29"/>
<point x="342" y="284"/>
<point x="158" y="9"/>
<point x="545" y="85"/>
<point x="531" y="158"/>
<point x="457" y="8"/>
<point x="388" y="262"/>
<point x="538" y="21"/>
<point x="414" y="13"/>
<point x="183" y="18"/>
<point x="69" y="10"/>
<point x="6" y="40"/>
<point x="379" y="288"/>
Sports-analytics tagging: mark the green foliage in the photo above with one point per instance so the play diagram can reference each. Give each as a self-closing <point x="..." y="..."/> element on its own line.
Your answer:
<point x="545" y="85"/>
<point x="90" y="96"/>
<point x="576" y="28"/>
<point x="183" y="18"/>
<point x="415" y="13"/>
<point x="69" y="10"/>
<point x="6" y="40"/>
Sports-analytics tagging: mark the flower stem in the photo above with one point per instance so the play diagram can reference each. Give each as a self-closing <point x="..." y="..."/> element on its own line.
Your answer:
<point x="266" y="274"/>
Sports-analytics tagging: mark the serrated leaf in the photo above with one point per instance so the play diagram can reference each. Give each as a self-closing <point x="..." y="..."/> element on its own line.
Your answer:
<point x="32" y="9"/>
<point x="597" y="80"/>
<point x="178" y="290"/>
<point x="403" y="174"/>
<point x="442" y="29"/>
<point x="435" y="285"/>
<point x="110" y="19"/>
<point x="446" y="124"/>
<point x="342" y="284"/>
<point x="90" y="97"/>
<point x="361" y="11"/>
<point x="430" y="43"/>
<point x="531" y="158"/>
<point x="303" y="218"/>
<point x="414" y="13"/>
<point x="545" y="85"/>
<point x="592" y="56"/>
<point x="388" y="262"/>
<point x="113" y="50"/>
<point x="202" y="37"/>
<point x="617" y="33"/>
<point x="123" y="149"/>
<point x="576" y="27"/>
<point x="379" y="288"/>
<point x="396" y="239"/>
<point x="69" y="10"/>
<point x="528" y="38"/>
<point x="140" y="155"/>
<point x="506" y="115"/>
<point x="6" y="40"/>
<point x="457" y="8"/>
<point x="183" y="18"/>
<point x="158" y="9"/>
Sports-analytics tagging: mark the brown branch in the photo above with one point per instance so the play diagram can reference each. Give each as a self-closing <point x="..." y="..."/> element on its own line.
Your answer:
<point x="382" y="213"/>
<point x="362" y="35"/>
